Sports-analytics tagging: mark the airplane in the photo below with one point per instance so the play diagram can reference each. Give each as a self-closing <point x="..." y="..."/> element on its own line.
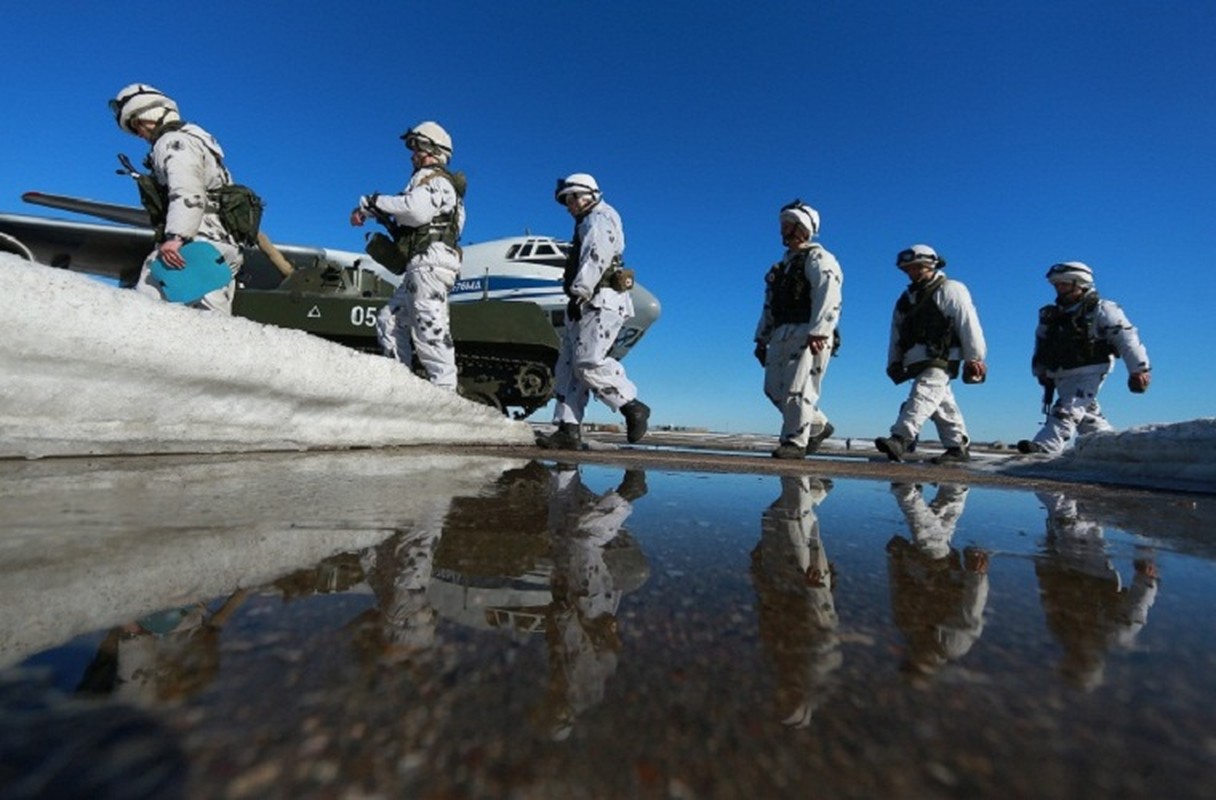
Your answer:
<point x="508" y="307"/>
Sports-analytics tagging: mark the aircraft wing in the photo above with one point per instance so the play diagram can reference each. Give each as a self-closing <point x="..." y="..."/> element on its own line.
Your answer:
<point x="117" y="251"/>
<point x="110" y="250"/>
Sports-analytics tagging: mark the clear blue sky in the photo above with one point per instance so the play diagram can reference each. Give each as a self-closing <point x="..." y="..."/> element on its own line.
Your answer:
<point x="1009" y="136"/>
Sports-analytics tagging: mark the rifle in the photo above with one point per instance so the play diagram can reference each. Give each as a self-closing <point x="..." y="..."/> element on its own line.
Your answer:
<point x="1049" y="392"/>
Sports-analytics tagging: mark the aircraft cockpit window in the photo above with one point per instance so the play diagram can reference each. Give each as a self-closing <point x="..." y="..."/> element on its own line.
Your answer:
<point x="512" y="251"/>
<point x="525" y="250"/>
<point x="545" y="249"/>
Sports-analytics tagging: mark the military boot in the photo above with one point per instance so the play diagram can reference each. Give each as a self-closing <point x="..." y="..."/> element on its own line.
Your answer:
<point x="568" y="436"/>
<point x="812" y="444"/>
<point x="789" y="450"/>
<point x="637" y="415"/>
<point x="1028" y="447"/>
<point x="953" y="455"/>
<point x="633" y="485"/>
<point x="893" y="445"/>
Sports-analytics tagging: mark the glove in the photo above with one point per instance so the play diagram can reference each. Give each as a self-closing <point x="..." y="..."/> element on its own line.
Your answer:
<point x="1138" y="382"/>
<point x="761" y="353"/>
<point x="974" y="372"/>
<point x="896" y="373"/>
<point x="816" y="344"/>
<point x="574" y="310"/>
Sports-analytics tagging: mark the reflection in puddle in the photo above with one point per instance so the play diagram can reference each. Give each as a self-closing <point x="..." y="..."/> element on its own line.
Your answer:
<point x="404" y="624"/>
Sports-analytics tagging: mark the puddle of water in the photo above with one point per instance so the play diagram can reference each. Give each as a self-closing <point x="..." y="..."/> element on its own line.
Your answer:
<point x="403" y="624"/>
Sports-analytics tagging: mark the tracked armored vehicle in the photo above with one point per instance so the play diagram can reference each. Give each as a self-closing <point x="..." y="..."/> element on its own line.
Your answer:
<point x="505" y="351"/>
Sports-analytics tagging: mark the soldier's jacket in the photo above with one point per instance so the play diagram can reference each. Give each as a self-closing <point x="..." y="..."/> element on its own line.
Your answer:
<point x="600" y="240"/>
<point x="953" y="301"/>
<point x="187" y="162"/>
<point x="1082" y="337"/>
<point x="824" y="285"/>
<point x="429" y="194"/>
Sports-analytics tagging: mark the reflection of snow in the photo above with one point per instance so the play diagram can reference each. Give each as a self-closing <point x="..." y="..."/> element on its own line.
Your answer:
<point x="90" y="543"/>
<point x="89" y="369"/>
<point x="1179" y="455"/>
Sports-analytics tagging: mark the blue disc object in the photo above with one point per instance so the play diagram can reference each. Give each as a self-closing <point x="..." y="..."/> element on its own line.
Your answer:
<point x="205" y="271"/>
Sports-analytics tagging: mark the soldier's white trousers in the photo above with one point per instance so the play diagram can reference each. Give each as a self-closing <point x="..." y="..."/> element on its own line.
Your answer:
<point x="417" y="321"/>
<point x="932" y="399"/>
<point x="584" y="366"/>
<point x="793" y="381"/>
<point x="1075" y="411"/>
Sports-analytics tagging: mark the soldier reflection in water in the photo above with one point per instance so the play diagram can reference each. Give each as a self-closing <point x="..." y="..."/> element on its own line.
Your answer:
<point x="797" y="612"/>
<point x="938" y="595"/>
<point x="163" y="657"/>
<point x="1088" y="609"/>
<point x="580" y="623"/>
<point x="399" y="571"/>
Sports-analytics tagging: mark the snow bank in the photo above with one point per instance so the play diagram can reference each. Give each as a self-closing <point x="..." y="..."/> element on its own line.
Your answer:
<point x="89" y="369"/>
<point x="1179" y="455"/>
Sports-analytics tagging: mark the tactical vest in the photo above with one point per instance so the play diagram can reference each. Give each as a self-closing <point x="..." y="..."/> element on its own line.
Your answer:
<point x="443" y="227"/>
<point x="790" y="291"/>
<point x="1067" y="342"/>
<point x="924" y="323"/>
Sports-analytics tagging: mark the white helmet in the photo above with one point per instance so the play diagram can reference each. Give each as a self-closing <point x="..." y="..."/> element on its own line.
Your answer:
<point x="429" y="137"/>
<point x="1071" y="272"/>
<point x="139" y="101"/>
<point x="919" y="254"/>
<point x="801" y="213"/>
<point x="577" y="183"/>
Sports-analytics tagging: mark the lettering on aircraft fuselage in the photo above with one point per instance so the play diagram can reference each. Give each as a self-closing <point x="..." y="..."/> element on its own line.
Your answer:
<point x="467" y="285"/>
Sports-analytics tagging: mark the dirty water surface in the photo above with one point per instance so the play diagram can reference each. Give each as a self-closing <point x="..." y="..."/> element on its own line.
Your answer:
<point x="429" y="624"/>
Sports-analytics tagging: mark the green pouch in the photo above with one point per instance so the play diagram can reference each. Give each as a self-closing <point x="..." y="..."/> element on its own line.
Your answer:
<point x="386" y="253"/>
<point x="240" y="211"/>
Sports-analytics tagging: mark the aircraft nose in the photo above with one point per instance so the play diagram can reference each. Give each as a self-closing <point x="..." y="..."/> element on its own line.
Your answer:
<point x="646" y="307"/>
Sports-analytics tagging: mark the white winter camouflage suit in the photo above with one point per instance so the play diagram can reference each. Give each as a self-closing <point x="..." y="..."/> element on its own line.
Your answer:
<point x="584" y="365"/>
<point x="949" y="600"/>
<point x="417" y="318"/>
<point x="188" y="161"/>
<point x="1076" y="409"/>
<point x="931" y="396"/>
<point x="796" y="608"/>
<point x="793" y="375"/>
<point x="581" y="623"/>
<point x="1088" y="607"/>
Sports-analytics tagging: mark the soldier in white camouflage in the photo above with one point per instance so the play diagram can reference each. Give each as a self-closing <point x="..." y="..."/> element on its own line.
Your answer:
<point x="935" y="328"/>
<point x="1076" y="342"/>
<point x="796" y="336"/>
<point x="187" y="164"/>
<point x="426" y="219"/>
<point x="598" y="286"/>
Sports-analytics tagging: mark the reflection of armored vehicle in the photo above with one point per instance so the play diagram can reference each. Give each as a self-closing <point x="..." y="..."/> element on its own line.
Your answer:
<point x="506" y="306"/>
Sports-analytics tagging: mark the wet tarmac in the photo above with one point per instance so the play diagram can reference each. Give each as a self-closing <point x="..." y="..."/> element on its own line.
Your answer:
<point x="422" y="623"/>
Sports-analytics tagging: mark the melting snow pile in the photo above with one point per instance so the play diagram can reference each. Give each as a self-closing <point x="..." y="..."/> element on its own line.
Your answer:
<point x="1180" y="455"/>
<point x="89" y="369"/>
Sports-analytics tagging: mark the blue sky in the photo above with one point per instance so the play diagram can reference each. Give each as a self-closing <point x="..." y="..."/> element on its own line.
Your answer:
<point x="1009" y="136"/>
